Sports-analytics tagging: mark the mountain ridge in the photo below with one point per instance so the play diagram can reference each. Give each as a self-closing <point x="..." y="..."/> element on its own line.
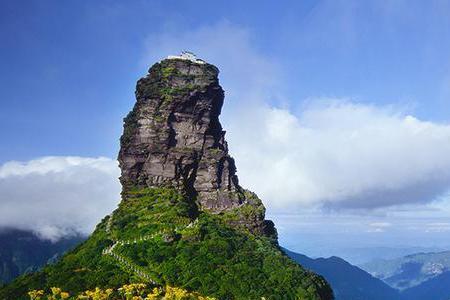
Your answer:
<point x="348" y="281"/>
<point x="23" y="252"/>
<point x="410" y="270"/>
<point x="184" y="220"/>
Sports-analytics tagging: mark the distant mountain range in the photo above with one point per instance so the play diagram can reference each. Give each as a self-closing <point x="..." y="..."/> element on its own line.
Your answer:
<point x="411" y="270"/>
<point x="437" y="288"/>
<point x="22" y="252"/>
<point x="359" y="256"/>
<point x="347" y="281"/>
<point x="421" y="276"/>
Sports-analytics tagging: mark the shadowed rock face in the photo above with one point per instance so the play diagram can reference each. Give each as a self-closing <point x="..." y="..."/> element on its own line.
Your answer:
<point x="173" y="137"/>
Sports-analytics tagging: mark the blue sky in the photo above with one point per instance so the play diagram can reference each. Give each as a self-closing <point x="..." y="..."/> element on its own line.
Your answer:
<point x="310" y="75"/>
<point x="75" y="63"/>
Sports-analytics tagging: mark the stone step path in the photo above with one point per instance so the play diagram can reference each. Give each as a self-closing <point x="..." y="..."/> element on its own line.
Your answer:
<point x="110" y="249"/>
<point x="123" y="261"/>
<point x="108" y="223"/>
<point x="130" y="266"/>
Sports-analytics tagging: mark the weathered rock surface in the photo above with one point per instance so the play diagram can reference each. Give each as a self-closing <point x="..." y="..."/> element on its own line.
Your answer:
<point x="173" y="137"/>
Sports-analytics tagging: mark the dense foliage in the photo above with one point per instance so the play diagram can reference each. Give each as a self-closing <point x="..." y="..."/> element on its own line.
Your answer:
<point x="133" y="291"/>
<point x="193" y="250"/>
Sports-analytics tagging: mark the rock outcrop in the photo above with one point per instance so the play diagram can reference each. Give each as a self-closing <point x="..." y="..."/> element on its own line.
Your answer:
<point x="183" y="220"/>
<point x="173" y="137"/>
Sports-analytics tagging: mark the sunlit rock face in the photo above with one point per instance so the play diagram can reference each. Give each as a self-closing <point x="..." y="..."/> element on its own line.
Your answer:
<point x="173" y="137"/>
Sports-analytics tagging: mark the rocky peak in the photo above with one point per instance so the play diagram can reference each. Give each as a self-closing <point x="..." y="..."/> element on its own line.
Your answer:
<point x="173" y="137"/>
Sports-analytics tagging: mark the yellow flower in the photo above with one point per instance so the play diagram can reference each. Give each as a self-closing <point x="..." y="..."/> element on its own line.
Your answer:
<point x="133" y="289"/>
<point x="155" y="294"/>
<point x="55" y="291"/>
<point x="97" y="294"/>
<point x="36" y="294"/>
<point x="174" y="293"/>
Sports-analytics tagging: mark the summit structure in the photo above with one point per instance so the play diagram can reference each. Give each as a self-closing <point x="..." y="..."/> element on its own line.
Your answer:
<point x="186" y="55"/>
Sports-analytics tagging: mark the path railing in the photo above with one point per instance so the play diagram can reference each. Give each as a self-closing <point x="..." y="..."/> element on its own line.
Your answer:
<point x="125" y="262"/>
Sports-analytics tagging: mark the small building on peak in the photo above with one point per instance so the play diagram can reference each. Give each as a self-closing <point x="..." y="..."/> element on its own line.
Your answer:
<point x="186" y="55"/>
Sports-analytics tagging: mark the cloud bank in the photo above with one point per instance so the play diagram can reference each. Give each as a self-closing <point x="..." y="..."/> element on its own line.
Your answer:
<point x="342" y="155"/>
<point x="58" y="196"/>
<point x="333" y="154"/>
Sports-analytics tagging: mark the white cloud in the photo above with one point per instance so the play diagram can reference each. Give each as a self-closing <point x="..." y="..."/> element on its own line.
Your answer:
<point x="380" y="224"/>
<point x="437" y="227"/>
<point x="378" y="227"/>
<point x="342" y="155"/>
<point x="58" y="196"/>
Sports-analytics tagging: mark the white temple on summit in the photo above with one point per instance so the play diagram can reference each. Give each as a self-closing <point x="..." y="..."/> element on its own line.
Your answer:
<point x="186" y="55"/>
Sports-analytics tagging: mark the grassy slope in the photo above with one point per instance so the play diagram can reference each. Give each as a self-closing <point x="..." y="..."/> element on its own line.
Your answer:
<point x="209" y="257"/>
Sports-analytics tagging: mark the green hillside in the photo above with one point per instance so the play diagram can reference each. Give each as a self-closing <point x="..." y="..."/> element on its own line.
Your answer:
<point x="158" y="237"/>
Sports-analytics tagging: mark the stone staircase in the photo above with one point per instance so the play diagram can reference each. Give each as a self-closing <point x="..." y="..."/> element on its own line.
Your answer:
<point x="124" y="262"/>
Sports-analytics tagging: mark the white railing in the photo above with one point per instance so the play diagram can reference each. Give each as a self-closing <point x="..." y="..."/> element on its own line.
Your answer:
<point x="126" y="263"/>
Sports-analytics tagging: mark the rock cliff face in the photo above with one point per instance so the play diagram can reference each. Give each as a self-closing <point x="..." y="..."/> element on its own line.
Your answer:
<point x="173" y="137"/>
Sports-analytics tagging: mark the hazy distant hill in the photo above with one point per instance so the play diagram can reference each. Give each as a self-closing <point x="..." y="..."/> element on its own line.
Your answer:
<point x="437" y="288"/>
<point x="347" y="281"/>
<point x="410" y="270"/>
<point x="361" y="255"/>
<point x="22" y="251"/>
